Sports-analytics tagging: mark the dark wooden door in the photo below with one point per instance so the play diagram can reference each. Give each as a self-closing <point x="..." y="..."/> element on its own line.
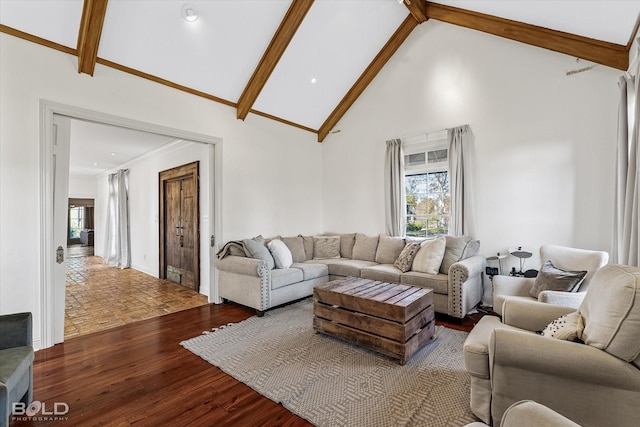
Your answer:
<point x="179" y="225"/>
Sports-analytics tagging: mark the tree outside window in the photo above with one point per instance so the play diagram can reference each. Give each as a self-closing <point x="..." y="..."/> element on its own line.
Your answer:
<point x="428" y="204"/>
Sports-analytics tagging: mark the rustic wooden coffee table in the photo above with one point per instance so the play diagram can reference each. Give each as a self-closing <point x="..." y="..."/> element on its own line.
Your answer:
<point x="395" y="320"/>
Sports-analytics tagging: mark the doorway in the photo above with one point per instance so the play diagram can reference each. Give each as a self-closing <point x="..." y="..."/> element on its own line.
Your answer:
<point x="54" y="155"/>
<point x="179" y="225"/>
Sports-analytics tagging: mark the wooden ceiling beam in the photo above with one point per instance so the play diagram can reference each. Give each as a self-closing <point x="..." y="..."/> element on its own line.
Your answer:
<point x="281" y="39"/>
<point x="605" y="53"/>
<point x="417" y="8"/>
<point x="93" y="13"/>
<point x="368" y="75"/>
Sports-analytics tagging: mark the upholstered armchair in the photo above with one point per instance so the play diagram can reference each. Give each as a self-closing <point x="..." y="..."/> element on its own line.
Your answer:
<point x="564" y="258"/>
<point x="527" y="413"/>
<point x="16" y="363"/>
<point x="585" y="365"/>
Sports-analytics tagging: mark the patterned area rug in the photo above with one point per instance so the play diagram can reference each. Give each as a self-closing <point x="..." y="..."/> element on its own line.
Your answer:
<point x="331" y="383"/>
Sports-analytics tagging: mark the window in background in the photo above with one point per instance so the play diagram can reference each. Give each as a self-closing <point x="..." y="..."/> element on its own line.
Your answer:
<point x="76" y="221"/>
<point x="427" y="185"/>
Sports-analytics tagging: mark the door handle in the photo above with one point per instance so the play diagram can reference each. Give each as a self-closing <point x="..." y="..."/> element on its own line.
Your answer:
<point x="60" y="255"/>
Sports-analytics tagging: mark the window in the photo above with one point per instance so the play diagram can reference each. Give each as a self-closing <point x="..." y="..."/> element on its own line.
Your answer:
<point x="427" y="185"/>
<point x="76" y="221"/>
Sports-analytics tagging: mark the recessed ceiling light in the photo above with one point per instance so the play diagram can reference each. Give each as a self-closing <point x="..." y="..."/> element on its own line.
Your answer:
<point x="95" y="163"/>
<point x="314" y="80"/>
<point x="189" y="12"/>
<point x="113" y="153"/>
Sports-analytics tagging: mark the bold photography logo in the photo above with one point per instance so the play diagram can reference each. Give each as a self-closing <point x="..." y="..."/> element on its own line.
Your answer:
<point x="39" y="411"/>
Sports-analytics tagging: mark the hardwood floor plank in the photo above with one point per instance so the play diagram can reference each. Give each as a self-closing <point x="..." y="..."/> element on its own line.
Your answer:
<point x="139" y="375"/>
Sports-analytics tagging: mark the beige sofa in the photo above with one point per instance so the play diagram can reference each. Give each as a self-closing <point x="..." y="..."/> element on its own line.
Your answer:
<point x="585" y="365"/>
<point x="455" y="271"/>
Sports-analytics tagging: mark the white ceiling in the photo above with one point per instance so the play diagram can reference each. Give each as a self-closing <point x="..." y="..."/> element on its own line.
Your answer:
<point x="97" y="148"/>
<point x="218" y="53"/>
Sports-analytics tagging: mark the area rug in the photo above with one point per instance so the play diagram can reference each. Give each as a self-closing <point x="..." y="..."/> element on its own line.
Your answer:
<point x="332" y="383"/>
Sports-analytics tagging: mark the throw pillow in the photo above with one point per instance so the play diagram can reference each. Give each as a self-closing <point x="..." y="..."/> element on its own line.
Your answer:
<point x="568" y="327"/>
<point x="470" y="249"/>
<point x="453" y="251"/>
<point x="258" y="250"/>
<point x="281" y="253"/>
<point x="389" y="249"/>
<point x="365" y="247"/>
<point x="308" y="246"/>
<point x="405" y="259"/>
<point x="296" y="246"/>
<point x="429" y="257"/>
<point x="346" y="245"/>
<point x="326" y="247"/>
<point x="551" y="278"/>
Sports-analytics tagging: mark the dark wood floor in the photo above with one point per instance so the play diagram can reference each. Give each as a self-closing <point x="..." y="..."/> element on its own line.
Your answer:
<point x="138" y="374"/>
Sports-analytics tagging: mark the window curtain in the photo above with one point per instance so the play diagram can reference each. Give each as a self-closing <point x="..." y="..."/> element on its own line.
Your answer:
<point x="117" y="251"/>
<point x="626" y="220"/>
<point x="394" y="192"/>
<point x="461" y="179"/>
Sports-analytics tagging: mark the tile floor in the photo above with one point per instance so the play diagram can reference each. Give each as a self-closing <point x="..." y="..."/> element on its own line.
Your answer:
<point x="101" y="297"/>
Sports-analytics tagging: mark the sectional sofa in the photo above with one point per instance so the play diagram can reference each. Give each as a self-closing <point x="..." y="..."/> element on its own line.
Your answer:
<point x="264" y="273"/>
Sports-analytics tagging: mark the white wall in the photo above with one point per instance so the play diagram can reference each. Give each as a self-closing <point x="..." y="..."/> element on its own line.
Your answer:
<point x="545" y="141"/>
<point x="271" y="172"/>
<point x="144" y="206"/>
<point x="82" y="186"/>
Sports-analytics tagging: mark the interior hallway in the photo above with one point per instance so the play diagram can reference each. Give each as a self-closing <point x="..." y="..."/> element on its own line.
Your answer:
<point x="100" y="297"/>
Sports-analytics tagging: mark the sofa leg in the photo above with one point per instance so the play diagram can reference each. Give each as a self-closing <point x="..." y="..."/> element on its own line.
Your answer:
<point x="259" y="313"/>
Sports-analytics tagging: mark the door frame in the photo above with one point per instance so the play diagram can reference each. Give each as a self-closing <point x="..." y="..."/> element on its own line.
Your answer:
<point x="48" y="109"/>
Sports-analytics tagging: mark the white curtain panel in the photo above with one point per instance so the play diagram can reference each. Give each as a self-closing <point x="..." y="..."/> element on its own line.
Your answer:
<point x="461" y="180"/>
<point x="626" y="219"/>
<point x="394" y="191"/>
<point x="117" y="251"/>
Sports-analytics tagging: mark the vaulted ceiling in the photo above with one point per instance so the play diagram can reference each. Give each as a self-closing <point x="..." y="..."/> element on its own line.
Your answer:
<point x="301" y="62"/>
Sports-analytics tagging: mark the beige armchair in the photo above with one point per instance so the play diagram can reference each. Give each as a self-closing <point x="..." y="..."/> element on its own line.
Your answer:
<point x="595" y="382"/>
<point x="509" y="287"/>
<point x="527" y="413"/>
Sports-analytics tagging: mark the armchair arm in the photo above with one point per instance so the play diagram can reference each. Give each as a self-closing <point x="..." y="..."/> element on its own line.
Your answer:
<point x="568" y="377"/>
<point x="240" y="265"/>
<point x="531" y="315"/>
<point x="512" y="285"/>
<point x="506" y="286"/>
<point x="16" y="330"/>
<point x="558" y="361"/>
<point x="567" y="299"/>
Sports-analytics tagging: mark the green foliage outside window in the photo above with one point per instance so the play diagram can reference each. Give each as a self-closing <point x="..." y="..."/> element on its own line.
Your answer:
<point x="428" y="204"/>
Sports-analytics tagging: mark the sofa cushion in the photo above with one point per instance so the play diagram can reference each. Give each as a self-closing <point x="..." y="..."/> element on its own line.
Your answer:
<point x="311" y="270"/>
<point x="345" y="267"/>
<point x="347" y="241"/>
<point x="259" y="251"/>
<point x="405" y="259"/>
<point x="308" y="246"/>
<point x="611" y="311"/>
<point x="296" y="246"/>
<point x="438" y="282"/>
<point x="551" y="278"/>
<point x="285" y="276"/>
<point x="382" y="272"/>
<point x="365" y="247"/>
<point x="280" y="253"/>
<point x="457" y="249"/>
<point x="429" y="257"/>
<point x="389" y="249"/>
<point x="326" y="247"/>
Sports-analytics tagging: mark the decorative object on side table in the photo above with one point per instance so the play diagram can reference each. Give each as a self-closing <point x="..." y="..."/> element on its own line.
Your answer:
<point x="522" y="255"/>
